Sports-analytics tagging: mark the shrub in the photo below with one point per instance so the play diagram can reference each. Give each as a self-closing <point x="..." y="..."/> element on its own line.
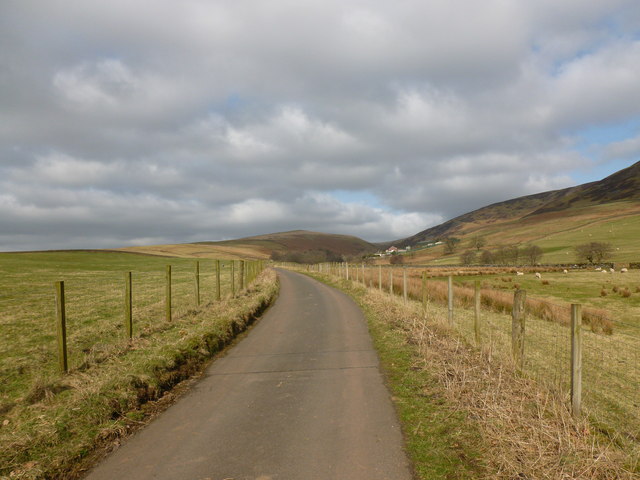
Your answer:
<point x="603" y="293"/>
<point x="625" y="293"/>
<point x="545" y="282"/>
<point x="615" y="289"/>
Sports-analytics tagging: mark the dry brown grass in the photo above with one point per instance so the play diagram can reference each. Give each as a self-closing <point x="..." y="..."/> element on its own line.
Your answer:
<point x="496" y="300"/>
<point x="527" y="429"/>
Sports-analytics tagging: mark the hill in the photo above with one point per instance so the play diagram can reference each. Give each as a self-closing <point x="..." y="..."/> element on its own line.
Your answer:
<point x="607" y="210"/>
<point x="275" y="245"/>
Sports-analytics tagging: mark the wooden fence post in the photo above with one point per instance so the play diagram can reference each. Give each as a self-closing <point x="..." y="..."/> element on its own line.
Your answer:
<point x="346" y="266"/>
<point x="241" y="280"/>
<point x="424" y="291"/>
<point x="476" y="317"/>
<point x="517" y="327"/>
<point x="450" y="298"/>
<point x="167" y="305"/>
<point x="61" y="327"/>
<point x="233" y="278"/>
<point x="197" y="283"/>
<point x="128" y="305"/>
<point x="404" y="284"/>
<point x="364" y="278"/>
<point x="576" y="359"/>
<point x="218" y="280"/>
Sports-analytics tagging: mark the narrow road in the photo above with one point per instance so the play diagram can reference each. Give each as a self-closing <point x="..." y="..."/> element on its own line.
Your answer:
<point x="299" y="398"/>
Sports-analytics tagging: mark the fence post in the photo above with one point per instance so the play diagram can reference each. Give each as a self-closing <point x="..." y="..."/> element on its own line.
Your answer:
<point x="241" y="275"/>
<point x="197" y="283"/>
<point x="364" y="278"/>
<point x="218" y="280"/>
<point x="233" y="278"/>
<point x="168" y="294"/>
<point x="424" y="291"/>
<point x="404" y="284"/>
<point x="128" y="305"/>
<point x="346" y="266"/>
<point x="450" y="298"/>
<point x="61" y="327"/>
<point x="517" y="327"/>
<point x="576" y="359"/>
<point x="476" y="317"/>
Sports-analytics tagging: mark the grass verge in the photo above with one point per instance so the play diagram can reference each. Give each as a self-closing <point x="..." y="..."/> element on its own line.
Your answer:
<point x="61" y="429"/>
<point x="467" y="413"/>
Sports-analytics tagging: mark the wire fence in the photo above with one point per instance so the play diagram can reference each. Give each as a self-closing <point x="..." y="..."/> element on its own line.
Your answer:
<point x="609" y="391"/>
<point x="95" y="313"/>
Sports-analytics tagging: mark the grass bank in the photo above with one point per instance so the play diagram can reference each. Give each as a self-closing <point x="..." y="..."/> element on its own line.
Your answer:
<point x="468" y="414"/>
<point x="58" y="425"/>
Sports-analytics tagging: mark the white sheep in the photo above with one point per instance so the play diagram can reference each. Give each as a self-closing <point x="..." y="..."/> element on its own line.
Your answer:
<point x="623" y="270"/>
<point x="603" y="271"/>
<point x="538" y="275"/>
<point x="612" y="270"/>
<point x="565" y="271"/>
<point x="598" y="269"/>
<point x="519" y="273"/>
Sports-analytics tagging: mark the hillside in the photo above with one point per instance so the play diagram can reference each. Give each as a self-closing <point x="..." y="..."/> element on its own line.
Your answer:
<point x="607" y="210"/>
<point x="266" y="246"/>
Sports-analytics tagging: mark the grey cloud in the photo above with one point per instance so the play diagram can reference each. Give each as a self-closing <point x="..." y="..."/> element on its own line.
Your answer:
<point x="127" y="122"/>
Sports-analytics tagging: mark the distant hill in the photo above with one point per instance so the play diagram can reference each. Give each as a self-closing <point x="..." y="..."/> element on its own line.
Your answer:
<point x="294" y="244"/>
<point x="600" y="210"/>
<point x="301" y="241"/>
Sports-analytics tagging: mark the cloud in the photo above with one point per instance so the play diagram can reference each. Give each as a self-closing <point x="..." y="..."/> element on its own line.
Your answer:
<point x="126" y="122"/>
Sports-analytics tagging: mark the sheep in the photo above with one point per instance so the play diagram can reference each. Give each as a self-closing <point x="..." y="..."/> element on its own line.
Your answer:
<point x="603" y="271"/>
<point x="519" y="273"/>
<point x="623" y="270"/>
<point x="538" y="276"/>
<point x="612" y="270"/>
<point x="598" y="269"/>
<point x="565" y="271"/>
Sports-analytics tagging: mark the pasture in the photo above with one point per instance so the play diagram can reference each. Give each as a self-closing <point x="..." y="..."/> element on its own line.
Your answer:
<point x="52" y="423"/>
<point x="610" y="332"/>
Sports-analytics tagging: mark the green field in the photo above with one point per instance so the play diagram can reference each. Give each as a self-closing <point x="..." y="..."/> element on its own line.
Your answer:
<point x="51" y="422"/>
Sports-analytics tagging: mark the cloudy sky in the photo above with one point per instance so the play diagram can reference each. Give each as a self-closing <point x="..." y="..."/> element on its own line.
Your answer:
<point x="161" y="121"/>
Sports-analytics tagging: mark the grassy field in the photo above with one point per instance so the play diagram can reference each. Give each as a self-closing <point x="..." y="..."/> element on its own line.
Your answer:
<point x="611" y="373"/>
<point x="513" y="425"/>
<point x="108" y="373"/>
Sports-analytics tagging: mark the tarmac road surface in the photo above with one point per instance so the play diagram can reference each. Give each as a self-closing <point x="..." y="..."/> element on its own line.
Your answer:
<point x="301" y="397"/>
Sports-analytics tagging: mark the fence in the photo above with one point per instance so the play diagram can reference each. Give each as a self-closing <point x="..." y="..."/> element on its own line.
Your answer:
<point x="99" y="312"/>
<point x="594" y="365"/>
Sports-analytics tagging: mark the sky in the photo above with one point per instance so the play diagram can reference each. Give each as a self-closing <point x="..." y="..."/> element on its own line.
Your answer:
<point x="172" y="121"/>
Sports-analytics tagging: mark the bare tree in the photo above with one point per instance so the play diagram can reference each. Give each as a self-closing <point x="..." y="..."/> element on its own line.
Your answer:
<point x="451" y="244"/>
<point x="468" y="257"/>
<point x="478" y="242"/>
<point x="532" y="253"/>
<point x="593" y="252"/>
<point x="487" y="258"/>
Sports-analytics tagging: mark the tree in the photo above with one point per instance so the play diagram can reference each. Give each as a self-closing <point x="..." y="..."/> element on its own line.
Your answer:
<point x="487" y="258"/>
<point x="532" y="253"/>
<point x="511" y="254"/>
<point x="478" y="242"/>
<point x="451" y="244"/>
<point x="468" y="257"/>
<point x="593" y="252"/>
